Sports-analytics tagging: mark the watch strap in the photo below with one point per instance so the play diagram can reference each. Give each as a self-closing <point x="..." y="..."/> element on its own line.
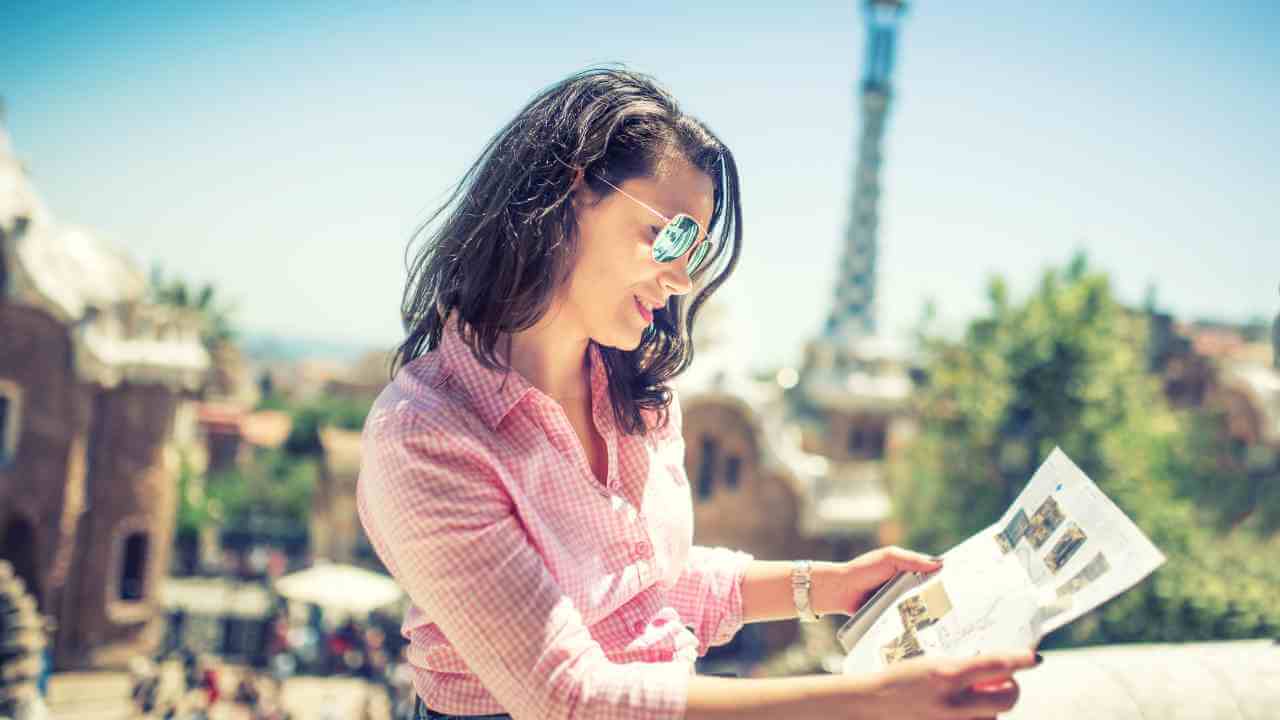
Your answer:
<point x="801" y="584"/>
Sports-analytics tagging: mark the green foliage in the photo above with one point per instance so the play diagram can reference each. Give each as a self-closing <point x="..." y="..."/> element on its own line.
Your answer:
<point x="193" y="507"/>
<point x="277" y="486"/>
<point x="1068" y="368"/>
<point x="273" y="493"/>
<point x="1244" y="494"/>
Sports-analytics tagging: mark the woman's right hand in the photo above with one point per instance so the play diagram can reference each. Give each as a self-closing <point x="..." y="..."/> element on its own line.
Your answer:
<point x="920" y="689"/>
<point x="944" y="688"/>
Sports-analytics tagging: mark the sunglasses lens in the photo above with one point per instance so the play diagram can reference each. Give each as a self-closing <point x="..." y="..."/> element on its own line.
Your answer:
<point x="699" y="254"/>
<point x="675" y="239"/>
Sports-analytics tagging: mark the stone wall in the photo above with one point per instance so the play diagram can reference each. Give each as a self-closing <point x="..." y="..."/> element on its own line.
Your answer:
<point x="1200" y="681"/>
<point x="39" y="486"/>
<point x="127" y="535"/>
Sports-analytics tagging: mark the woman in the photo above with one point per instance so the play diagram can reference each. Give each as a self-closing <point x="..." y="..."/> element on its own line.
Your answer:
<point x="523" y="473"/>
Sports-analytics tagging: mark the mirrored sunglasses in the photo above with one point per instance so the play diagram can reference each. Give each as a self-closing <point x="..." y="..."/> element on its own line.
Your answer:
<point x="676" y="237"/>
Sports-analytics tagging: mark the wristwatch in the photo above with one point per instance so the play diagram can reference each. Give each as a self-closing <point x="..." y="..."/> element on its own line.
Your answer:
<point x="801" y="581"/>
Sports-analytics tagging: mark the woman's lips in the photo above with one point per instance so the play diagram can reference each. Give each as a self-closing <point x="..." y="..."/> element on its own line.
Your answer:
<point x="645" y="312"/>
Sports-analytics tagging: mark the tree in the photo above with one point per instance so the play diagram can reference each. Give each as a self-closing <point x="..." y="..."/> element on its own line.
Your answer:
<point x="275" y="490"/>
<point x="218" y="325"/>
<point x="1067" y="368"/>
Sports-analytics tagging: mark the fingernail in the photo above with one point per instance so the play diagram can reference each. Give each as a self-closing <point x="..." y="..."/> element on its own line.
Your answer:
<point x="1039" y="658"/>
<point x="936" y="559"/>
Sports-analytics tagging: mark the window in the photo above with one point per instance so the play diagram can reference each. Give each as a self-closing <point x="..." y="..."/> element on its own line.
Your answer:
<point x="731" y="471"/>
<point x="707" y="466"/>
<point x="18" y="545"/>
<point x="133" y="573"/>
<point x="10" y="418"/>
<point x="867" y="440"/>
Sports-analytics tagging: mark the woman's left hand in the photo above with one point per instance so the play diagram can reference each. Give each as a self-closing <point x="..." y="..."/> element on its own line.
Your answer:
<point x="852" y="582"/>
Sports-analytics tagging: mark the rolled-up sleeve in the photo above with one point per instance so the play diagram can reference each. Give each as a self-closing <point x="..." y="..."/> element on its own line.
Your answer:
<point x="708" y="594"/>
<point x="436" y="512"/>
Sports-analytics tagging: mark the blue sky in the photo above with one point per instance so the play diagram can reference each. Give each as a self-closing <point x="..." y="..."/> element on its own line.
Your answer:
<point x="286" y="153"/>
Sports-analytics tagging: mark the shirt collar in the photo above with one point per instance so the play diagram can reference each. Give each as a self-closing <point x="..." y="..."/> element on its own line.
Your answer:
<point x="493" y="393"/>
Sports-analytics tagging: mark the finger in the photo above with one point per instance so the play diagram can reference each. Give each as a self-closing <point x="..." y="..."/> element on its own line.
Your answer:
<point x="992" y="667"/>
<point x="990" y="681"/>
<point x="987" y="702"/>
<point x="910" y="560"/>
<point x="992" y="685"/>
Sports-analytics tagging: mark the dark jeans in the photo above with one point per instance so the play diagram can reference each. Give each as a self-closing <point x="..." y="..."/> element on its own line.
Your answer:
<point x="422" y="712"/>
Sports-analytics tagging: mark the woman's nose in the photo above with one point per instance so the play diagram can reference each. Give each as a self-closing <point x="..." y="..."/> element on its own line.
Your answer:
<point x="675" y="277"/>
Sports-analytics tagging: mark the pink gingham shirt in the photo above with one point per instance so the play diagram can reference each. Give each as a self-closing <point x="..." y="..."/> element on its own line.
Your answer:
<point x="535" y="590"/>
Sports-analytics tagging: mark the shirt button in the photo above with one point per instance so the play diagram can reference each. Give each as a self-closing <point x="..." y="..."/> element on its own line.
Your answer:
<point x="643" y="550"/>
<point x="638" y="627"/>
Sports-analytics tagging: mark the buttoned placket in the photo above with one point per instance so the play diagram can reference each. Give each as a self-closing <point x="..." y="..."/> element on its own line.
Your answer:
<point x="642" y="558"/>
<point x="566" y="440"/>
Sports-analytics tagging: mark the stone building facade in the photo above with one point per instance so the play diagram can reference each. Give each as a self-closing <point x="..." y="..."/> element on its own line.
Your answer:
<point x="335" y="533"/>
<point x="90" y="377"/>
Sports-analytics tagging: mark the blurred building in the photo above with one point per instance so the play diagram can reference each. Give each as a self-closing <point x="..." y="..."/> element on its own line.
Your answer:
<point x="91" y="378"/>
<point x="1230" y="370"/>
<point x="233" y="436"/>
<point x="220" y="615"/>
<point x="299" y="381"/>
<point x="231" y="379"/>
<point x="363" y="379"/>
<point x="336" y="533"/>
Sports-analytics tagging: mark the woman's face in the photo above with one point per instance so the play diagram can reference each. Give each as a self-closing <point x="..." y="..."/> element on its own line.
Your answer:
<point x="615" y="271"/>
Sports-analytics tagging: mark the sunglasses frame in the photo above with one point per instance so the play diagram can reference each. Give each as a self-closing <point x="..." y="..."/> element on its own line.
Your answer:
<point x="669" y="222"/>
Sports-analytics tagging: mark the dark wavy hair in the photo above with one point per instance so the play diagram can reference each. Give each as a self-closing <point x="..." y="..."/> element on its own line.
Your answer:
<point x="505" y="240"/>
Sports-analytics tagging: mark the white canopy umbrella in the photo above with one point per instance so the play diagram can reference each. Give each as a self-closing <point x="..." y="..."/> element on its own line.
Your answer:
<point x="216" y="597"/>
<point x="340" y="587"/>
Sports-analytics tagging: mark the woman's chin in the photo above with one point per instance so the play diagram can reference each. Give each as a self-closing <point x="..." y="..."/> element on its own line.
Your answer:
<point x="630" y="343"/>
<point x="624" y="340"/>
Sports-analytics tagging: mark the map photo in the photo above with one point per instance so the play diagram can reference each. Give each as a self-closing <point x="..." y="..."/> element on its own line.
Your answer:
<point x="1096" y="567"/>
<point x="1013" y="532"/>
<point x="1066" y="546"/>
<point x="921" y="611"/>
<point x="1046" y="519"/>
<point x="903" y="647"/>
